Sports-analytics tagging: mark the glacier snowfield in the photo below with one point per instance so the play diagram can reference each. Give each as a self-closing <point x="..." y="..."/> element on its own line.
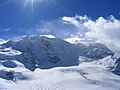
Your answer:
<point x="86" y="76"/>
<point x="62" y="66"/>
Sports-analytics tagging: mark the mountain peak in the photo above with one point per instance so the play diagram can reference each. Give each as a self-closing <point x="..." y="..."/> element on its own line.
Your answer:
<point x="44" y="52"/>
<point x="2" y="41"/>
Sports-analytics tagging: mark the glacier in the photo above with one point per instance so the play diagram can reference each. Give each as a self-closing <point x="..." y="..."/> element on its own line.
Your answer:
<point x="43" y="63"/>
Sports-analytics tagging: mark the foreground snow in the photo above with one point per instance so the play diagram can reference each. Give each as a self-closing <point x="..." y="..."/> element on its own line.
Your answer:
<point x="86" y="76"/>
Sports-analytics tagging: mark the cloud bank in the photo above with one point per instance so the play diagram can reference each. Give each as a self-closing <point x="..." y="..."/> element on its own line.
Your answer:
<point x="104" y="30"/>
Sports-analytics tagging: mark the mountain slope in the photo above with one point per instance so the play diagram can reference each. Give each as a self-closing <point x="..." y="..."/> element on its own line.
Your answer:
<point x="111" y="62"/>
<point x="43" y="52"/>
<point x="38" y="63"/>
<point x="79" y="77"/>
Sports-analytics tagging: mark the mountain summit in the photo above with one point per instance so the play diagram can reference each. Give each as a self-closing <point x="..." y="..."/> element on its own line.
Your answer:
<point x="43" y="52"/>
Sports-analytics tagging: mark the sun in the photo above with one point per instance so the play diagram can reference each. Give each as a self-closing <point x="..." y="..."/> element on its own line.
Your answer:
<point x="33" y="2"/>
<point x="35" y="5"/>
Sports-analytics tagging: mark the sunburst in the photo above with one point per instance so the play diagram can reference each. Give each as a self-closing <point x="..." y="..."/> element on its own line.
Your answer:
<point x="33" y="2"/>
<point x="29" y="2"/>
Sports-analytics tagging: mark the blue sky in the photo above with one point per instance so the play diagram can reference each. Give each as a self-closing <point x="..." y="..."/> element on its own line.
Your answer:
<point x="17" y="19"/>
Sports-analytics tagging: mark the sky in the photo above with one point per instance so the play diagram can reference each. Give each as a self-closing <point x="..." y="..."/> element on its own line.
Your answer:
<point x="61" y="18"/>
<point x="17" y="18"/>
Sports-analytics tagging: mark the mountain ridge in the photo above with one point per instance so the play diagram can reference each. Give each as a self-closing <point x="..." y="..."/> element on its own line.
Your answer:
<point x="54" y="52"/>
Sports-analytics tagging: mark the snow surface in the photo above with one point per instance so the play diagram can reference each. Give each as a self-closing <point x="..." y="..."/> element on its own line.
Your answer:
<point x="86" y="76"/>
<point x="111" y="62"/>
<point x="21" y="67"/>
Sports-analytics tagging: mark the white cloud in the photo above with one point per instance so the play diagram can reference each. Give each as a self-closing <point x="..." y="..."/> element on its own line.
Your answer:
<point x="77" y="20"/>
<point x="106" y="31"/>
<point x="71" y="20"/>
<point x="5" y="29"/>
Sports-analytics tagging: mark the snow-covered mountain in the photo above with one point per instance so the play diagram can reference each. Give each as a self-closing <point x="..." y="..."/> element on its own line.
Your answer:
<point x="2" y="41"/>
<point x="41" y="63"/>
<point x="43" y="52"/>
<point x="111" y="62"/>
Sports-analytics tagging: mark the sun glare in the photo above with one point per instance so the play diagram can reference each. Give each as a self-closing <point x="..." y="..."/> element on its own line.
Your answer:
<point x="33" y="3"/>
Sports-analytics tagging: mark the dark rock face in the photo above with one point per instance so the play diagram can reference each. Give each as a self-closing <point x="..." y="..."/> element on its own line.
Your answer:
<point x="9" y="75"/>
<point x="12" y="75"/>
<point x="95" y="51"/>
<point x="9" y="64"/>
<point x="117" y="68"/>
